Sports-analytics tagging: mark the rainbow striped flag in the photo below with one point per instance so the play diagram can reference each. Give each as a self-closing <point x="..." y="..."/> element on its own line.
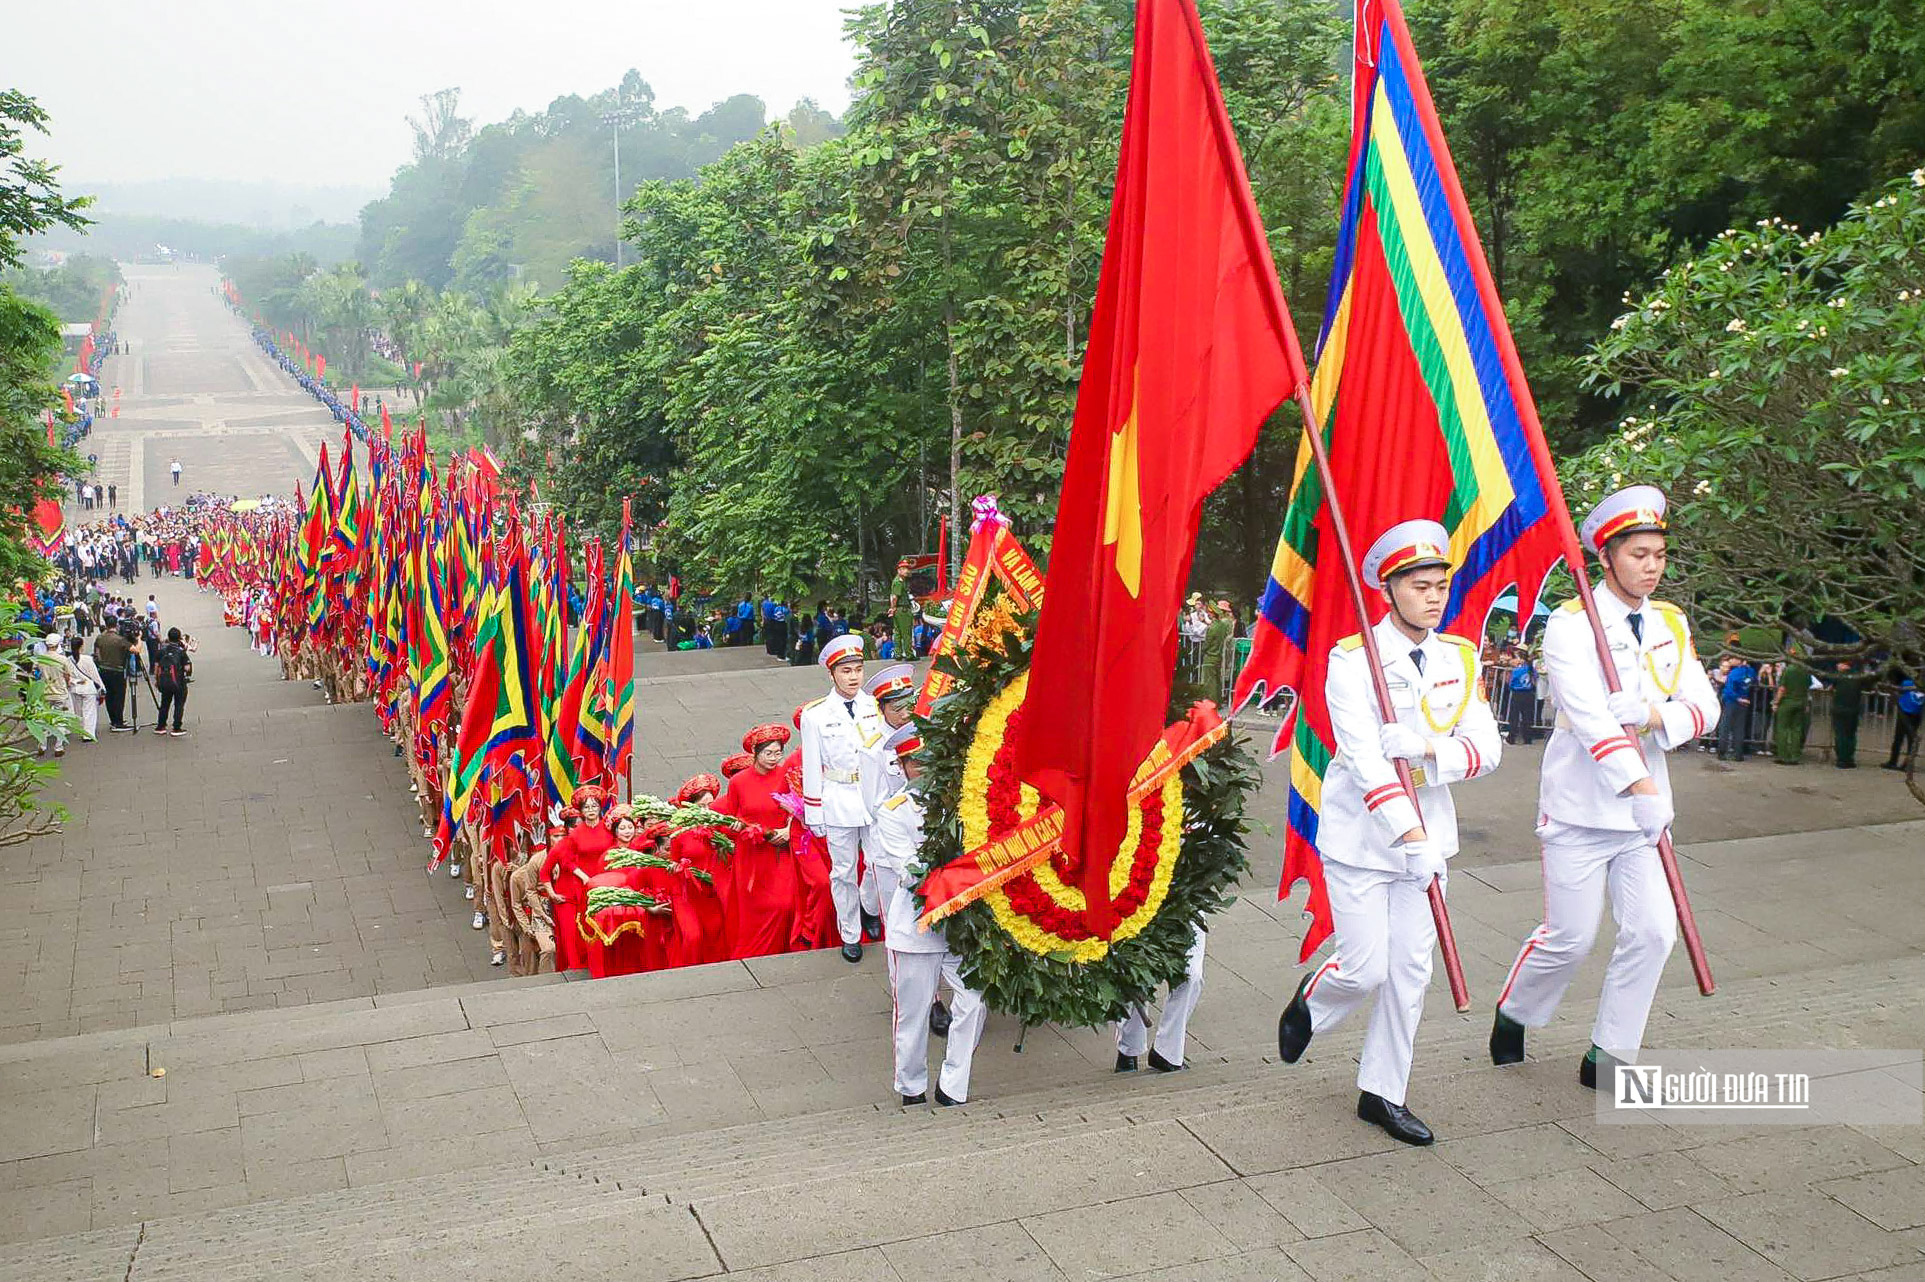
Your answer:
<point x="1424" y="408"/>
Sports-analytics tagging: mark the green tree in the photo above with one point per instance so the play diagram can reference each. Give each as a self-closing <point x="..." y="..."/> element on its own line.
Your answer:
<point x="1778" y="380"/>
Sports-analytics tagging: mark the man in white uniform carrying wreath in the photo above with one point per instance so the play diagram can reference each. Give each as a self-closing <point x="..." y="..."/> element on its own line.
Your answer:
<point x="837" y="731"/>
<point x="1603" y="799"/>
<point x="1379" y="858"/>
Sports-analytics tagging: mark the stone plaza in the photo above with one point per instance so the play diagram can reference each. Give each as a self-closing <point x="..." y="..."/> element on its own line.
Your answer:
<point x="246" y="1035"/>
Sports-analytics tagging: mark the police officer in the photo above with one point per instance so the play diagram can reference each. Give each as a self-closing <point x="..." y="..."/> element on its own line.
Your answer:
<point x="836" y="730"/>
<point x="920" y="960"/>
<point x="1604" y="799"/>
<point x="1379" y="859"/>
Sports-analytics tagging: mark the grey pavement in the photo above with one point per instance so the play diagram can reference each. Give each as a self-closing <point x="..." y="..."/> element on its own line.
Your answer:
<point x="381" y="1115"/>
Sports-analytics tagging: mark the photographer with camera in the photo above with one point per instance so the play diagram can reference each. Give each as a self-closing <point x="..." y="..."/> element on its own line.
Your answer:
<point x="111" y="654"/>
<point x="172" y="671"/>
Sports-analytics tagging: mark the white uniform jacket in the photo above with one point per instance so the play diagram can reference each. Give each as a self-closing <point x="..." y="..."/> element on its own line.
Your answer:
<point x="1365" y="810"/>
<point x="1590" y="761"/>
<point x="833" y="740"/>
<point x="898" y="833"/>
<point x="882" y="775"/>
<point x="901" y="823"/>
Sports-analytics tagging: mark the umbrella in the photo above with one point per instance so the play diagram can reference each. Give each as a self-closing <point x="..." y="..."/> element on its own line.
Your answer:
<point x="1508" y="604"/>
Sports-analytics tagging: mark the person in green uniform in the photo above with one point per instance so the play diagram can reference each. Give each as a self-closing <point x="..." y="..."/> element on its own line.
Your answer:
<point x="1216" y="639"/>
<point x="902" y="615"/>
<point x="1847" y="702"/>
<point x="1791" y="712"/>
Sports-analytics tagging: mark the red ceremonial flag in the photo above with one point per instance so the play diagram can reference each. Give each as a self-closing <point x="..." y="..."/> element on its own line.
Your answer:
<point x="1190" y="349"/>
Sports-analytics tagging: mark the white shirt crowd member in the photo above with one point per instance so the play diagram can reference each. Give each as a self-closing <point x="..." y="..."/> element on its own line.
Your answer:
<point x="1379" y="857"/>
<point x="1604" y="799"/>
<point x="835" y="731"/>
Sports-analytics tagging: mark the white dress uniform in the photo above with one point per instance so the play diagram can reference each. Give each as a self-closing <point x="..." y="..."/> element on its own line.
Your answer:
<point x="1173" y="1023"/>
<point x="1379" y="908"/>
<point x="919" y="961"/>
<point x="882" y="778"/>
<point x="835" y="733"/>
<point x="1589" y="839"/>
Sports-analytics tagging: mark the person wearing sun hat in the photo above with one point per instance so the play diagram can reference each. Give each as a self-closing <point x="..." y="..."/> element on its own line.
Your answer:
<point x="920" y="961"/>
<point x="1379" y="857"/>
<point x="835" y="731"/>
<point x="1604" y="798"/>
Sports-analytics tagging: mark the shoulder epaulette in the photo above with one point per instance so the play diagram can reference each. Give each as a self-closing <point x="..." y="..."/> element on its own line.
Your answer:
<point x="1455" y="640"/>
<point x="891" y="803"/>
<point x="1666" y="606"/>
<point x="1573" y="606"/>
<point x="811" y="703"/>
<point x="1354" y="641"/>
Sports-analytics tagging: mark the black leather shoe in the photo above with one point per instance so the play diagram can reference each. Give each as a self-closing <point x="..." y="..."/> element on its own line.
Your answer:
<point x="1293" y="1027"/>
<point x="872" y="928"/>
<point x="1398" y="1122"/>
<point x="1594" y="1062"/>
<point x="1162" y="1065"/>
<point x="939" y="1020"/>
<point x="920" y="1097"/>
<point x="1125" y="1063"/>
<point x="943" y="1101"/>
<point x="1507" y="1040"/>
<point x="852" y="952"/>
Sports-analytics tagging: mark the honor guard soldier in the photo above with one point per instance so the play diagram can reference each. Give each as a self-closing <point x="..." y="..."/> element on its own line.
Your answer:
<point x="1378" y="859"/>
<point x="836" y="731"/>
<point x="1172" y="1025"/>
<point x="919" y="959"/>
<point x="1604" y="799"/>
<point x="894" y="690"/>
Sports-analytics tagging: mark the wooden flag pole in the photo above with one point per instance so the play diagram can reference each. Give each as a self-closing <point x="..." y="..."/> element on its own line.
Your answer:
<point x="1446" y="940"/>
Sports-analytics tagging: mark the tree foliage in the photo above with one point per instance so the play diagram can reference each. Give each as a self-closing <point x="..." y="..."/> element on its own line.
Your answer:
<point x="1778" y="379"/>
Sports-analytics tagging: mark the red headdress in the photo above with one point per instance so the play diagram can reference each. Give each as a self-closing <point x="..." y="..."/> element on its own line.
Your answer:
<point x="697" y="783"/>
<point x="591" y="792"/>
<point x="654" y="831"/>
<point x="796" y="720"/>
<point x="735" y="765"/>
<point x="772" y="732"/>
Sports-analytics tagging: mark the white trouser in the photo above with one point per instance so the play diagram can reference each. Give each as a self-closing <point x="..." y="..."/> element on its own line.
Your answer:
<point x="1173" y="1025"/>
<point x="87" y="708"/>
<point x="1384" y="934"/>
<point x="851" y="901"/>
<point x="915" y="976"/>
<point x="1578" y="865"/>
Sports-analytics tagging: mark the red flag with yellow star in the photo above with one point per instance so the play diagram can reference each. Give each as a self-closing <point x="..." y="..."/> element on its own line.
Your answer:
<point x="1190" y="350"/>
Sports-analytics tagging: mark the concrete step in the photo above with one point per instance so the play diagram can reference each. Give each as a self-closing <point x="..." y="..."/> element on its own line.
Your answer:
<point x="386" y="1229"/>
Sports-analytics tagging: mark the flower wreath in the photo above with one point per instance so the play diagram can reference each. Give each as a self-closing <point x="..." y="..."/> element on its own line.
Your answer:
<point x="1023" y="943"/>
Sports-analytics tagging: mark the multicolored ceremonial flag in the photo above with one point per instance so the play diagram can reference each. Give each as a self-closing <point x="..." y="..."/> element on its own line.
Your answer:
<point x="619" y="664"/>
<point x="1425" y="412"/>
<point x="1190" y="349"/>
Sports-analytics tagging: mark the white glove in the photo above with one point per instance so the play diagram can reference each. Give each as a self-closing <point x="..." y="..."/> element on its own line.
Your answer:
<point x="1628" y="708"/>
<point x="1423" y="859"/>
<point x="1398" y="740"/>
<point x="1652" y="814"/>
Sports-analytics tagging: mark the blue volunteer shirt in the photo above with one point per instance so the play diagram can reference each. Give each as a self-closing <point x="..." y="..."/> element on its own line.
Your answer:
<point x="1737" y="683"/>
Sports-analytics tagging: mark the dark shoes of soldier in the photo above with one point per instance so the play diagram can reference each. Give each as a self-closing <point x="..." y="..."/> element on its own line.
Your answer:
<point x="1162" y="1065"/>
<point x="872" y="928"/>
<point x="1125" y="1063"/>
<point x="939" y="1020"/>
<point x="1593" y="1062"/>
<point x="1293" y="1028"/>
<point x="943" y="1100"/>
<point x="852" y="952"/>
<point x="1507" y="1040"/>
<point x="1398" y="1122"/>
<point x="920" y="1097"/>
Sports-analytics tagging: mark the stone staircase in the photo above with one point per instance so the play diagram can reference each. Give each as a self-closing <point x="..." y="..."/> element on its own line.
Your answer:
<point x="713" y="1201"/>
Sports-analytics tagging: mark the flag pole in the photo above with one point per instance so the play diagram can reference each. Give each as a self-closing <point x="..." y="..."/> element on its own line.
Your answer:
<point x="1440" y="913"/>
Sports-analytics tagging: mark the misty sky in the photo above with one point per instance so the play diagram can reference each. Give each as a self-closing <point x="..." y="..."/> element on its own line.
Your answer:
<point x="253" y="90"/>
